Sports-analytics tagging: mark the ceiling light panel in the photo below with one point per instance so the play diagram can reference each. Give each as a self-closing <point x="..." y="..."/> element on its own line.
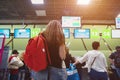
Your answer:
<point x="83" y="2"/>
<point x="40" y="12"/>
<point x="37" y="1"/>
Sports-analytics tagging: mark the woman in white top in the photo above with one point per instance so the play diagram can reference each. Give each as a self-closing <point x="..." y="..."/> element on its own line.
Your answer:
<point x="95" y="62"/>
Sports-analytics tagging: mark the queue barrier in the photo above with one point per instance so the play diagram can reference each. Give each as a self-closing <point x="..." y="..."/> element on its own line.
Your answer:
<point x="22" y="75"/>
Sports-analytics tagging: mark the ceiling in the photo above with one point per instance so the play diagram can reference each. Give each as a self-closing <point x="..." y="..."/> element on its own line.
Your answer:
<point x="98" y="11"/>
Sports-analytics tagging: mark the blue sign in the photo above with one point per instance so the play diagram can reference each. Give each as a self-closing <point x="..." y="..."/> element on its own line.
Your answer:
<point x="66" y="33"/>
<point x="6" y="32"/>
<point x="81" y="33"/>
<point x="22" y="33"/>
<point x="118" y="22"/>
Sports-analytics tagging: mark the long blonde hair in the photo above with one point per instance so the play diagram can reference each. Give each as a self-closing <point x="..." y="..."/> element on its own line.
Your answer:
<point x="54" y="35"/>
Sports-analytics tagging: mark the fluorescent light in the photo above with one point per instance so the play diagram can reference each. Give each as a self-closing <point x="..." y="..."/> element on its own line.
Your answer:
<point x="83" y="2"/>
<point x="40" y="12"/>
<point x="118" y="15"/>
<point x="37" y="1"/>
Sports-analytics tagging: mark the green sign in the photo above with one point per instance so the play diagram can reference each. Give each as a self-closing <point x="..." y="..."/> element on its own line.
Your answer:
<point x="35" y="32"/>
<point x="94" y="33"/>
<point x="105" y="33"/>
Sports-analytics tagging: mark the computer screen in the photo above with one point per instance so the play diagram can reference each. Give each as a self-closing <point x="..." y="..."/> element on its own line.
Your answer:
<point x="22" y="33"/>
<point x="81" y="33"/>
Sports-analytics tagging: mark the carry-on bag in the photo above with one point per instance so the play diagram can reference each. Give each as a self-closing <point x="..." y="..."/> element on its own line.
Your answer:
<point x="72" y="73"/>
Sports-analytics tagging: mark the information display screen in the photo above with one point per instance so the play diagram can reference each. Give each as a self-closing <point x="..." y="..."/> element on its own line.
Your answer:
<point x="71" y="21"/>
<point x="117" y="20"/>
<point x="95" y="33"/>
<point x="115" y="33"/>
<point x="22" y="33"/>
<point x="6" y="32"/>
<point x="81" y="33"/>
<point x="66" y="33"/>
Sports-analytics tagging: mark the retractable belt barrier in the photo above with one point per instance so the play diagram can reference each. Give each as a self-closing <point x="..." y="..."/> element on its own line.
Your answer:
<point x="2" y="41"/>
<point x="84" y="44"/>
<point x="105" y="42"/>
<point x="4" y="74"/>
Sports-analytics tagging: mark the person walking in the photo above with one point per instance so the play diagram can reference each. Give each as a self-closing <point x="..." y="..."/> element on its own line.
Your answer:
<point x="14" y="63"/>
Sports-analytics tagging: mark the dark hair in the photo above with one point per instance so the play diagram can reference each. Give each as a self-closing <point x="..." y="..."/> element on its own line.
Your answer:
<point x="15" y="52"/>
<point x="95" y="45"/>
<point x="117" y="48"/>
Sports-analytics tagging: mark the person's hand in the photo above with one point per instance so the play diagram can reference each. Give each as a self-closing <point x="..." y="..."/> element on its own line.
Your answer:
<point x="76" y="62"/>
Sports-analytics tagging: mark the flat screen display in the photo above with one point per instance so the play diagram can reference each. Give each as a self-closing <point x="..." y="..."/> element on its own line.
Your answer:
<point x="6" y="32"/>
<point x="117" y="20"/>
<point x="115" y="33"/>
<point x="81" y="33"/>
<point x="71" y="21"/>
<point x="106" y="33"/>
<point x="95" y="33"/>
<point x="66" y="33"/>
<point x="22" y="33"/>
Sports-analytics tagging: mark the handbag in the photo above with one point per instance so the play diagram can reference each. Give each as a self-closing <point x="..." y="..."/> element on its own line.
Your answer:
<point x="72" y="73"/>
<point x="84" y="72"/>
<point x="91" y="64"/>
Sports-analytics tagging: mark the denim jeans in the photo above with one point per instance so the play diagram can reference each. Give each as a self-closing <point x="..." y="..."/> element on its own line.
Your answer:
<point x="41" y="75"/>
<point x="33" y="74"/>
<point x="118" y="71"/>
<point x="57" y="73"/>
<point x="95" y="75"/>
<point x="13" y="76"/>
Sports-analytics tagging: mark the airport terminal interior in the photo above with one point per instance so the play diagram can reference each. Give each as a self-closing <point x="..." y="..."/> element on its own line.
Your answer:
<point x="82" y="23"/>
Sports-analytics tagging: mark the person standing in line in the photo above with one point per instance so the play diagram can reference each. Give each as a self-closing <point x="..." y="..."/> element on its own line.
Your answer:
<point x="14" y="63"/>
<point x="95" y="62"/>
<point x="56" y="46"/>
<point x="114" y="59"/>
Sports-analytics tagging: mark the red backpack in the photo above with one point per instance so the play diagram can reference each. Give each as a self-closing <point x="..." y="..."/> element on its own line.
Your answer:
<point x="36" y="55"/>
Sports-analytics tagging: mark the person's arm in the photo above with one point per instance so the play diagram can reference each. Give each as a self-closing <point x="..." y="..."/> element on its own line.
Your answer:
<point x="76" y="62"/>
<point x="62" y="52"/>
<point x="82" y="59"/>
<point x="10" y="66"/>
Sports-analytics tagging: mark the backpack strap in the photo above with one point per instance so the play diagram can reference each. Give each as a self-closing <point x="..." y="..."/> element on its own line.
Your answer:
<point x="46" y="49"/>
<point x="93" y="61"/>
